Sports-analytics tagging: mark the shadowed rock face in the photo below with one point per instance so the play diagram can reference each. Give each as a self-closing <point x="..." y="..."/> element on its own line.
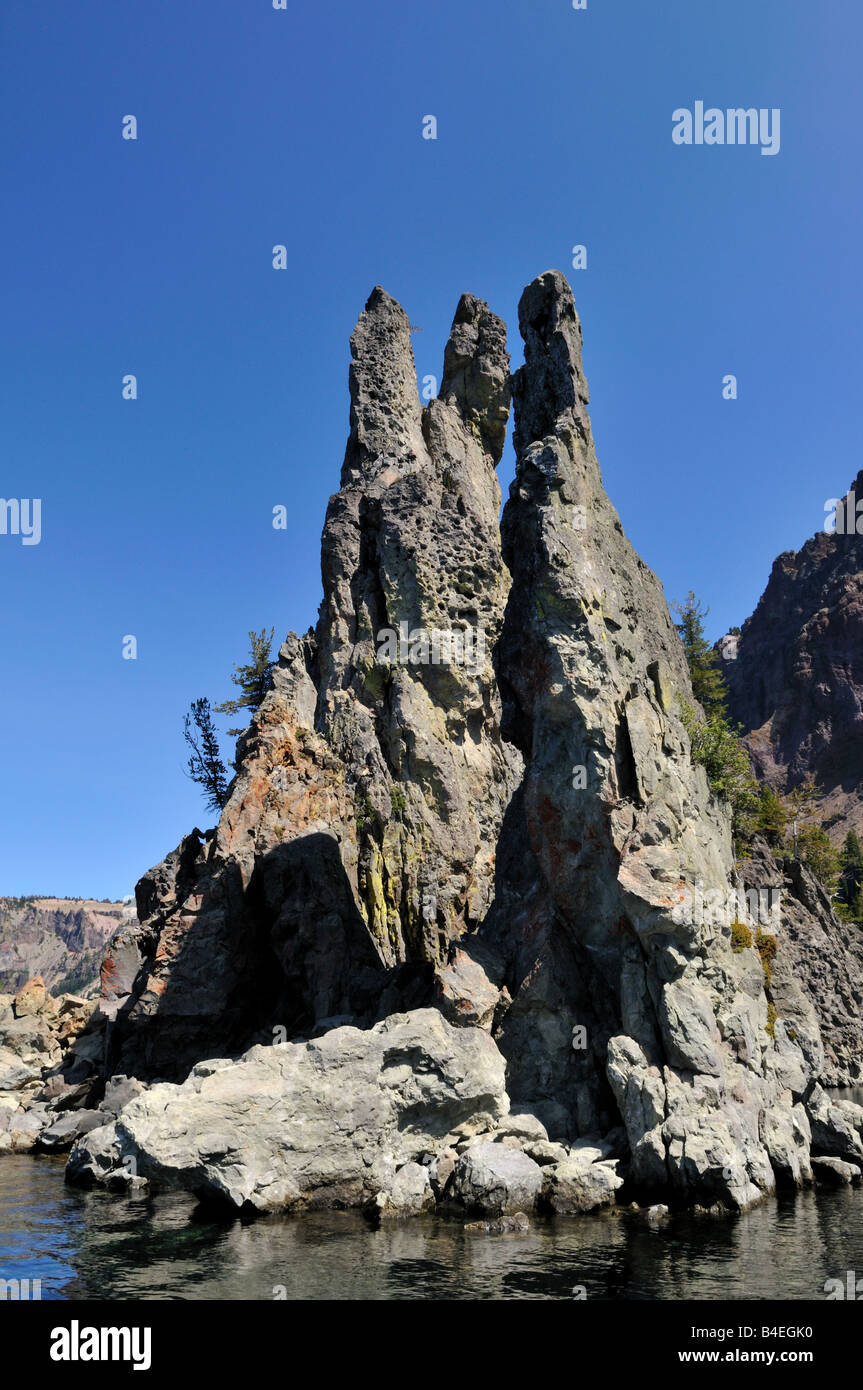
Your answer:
<point x="510" y="837"/>
<point x="796" y="685"/>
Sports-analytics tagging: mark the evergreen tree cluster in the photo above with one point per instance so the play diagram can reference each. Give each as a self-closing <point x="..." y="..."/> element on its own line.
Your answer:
<point x="205" y="765"/>
<point x="788" y="823"/>
<point x="716" y="743"/>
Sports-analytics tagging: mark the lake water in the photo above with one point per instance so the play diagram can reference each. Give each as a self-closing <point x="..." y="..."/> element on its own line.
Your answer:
<point x="87" y="1245"/>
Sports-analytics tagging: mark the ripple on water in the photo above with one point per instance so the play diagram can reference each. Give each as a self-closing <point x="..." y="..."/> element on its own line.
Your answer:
<point x="105" y="1245"/>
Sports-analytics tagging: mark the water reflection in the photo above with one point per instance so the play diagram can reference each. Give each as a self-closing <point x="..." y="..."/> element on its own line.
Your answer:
<point x="104" y="1245"/>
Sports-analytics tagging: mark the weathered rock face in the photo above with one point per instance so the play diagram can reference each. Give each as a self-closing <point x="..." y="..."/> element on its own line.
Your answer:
<point x="512" y="831"/>
<point x="823" y="956"/>
<point x="619" y="823"/>
<point x="61" y="939"/>
<point x="796" y="683"/>
<point x="360" y="835"/>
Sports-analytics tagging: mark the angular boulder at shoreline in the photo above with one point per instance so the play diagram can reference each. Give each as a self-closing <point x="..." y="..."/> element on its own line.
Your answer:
<point x="325" y="1123"/>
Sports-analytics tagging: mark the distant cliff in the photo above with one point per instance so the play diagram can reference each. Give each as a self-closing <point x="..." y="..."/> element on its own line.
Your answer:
<point x="796" y="682"/>
<point x="61" y="939"/>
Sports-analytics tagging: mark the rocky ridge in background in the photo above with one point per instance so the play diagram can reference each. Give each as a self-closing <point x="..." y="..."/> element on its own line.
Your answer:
<point x="63" y="940"/>
<point x="795" y="685"/>
<point x="448" y="902"/>
<point x="795" y="677"/>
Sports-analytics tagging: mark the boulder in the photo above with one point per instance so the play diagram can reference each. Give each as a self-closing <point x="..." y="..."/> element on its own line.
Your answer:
<point x="496" y="1181"/>
<point x="441" y="1167"/>
<point x="323" y="1123"/>
<point x="31" y="998"/>
<point x="577" y="1185"/>
<point x="71" y="1124"/>
<point x="20" y="1129"/>
<point x="833" y="1172"/>
<point x="464" y="992"/>
<point x="119" y="1090"/>
<point x="409" y="1194"/>
<point x="15" y="1073"/>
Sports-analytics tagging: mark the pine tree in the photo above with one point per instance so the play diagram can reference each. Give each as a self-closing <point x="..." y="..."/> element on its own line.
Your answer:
<point x="717" y="749"/>
<point x="708" y="685"/>
<point x="771" y="817"/>
<point x="852" y="856"/>
<point x="851" y="875"/>
<point x="818" y="854"/>
<point x="205" y="765"/>
<point x="253" y="678"/>
<point x="715" y="744"/>
<point x="800" y="804"/>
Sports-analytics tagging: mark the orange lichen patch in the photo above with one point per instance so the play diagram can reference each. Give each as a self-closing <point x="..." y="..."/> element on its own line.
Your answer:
<point x="167" y="947"/>
<point x="107" y="972"/>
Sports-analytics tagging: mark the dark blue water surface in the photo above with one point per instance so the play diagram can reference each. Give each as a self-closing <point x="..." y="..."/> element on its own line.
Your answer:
<point x="85" y="1245"/>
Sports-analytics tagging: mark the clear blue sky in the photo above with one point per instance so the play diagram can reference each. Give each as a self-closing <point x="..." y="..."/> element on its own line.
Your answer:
<point x="303" y="127"/>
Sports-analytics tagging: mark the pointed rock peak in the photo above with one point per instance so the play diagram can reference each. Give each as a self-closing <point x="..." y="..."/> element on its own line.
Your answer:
<point x="552" y="380"/>
<point x="476" y="371"/>
<point x="381" y="303"/>
<point x="385" y="409"/>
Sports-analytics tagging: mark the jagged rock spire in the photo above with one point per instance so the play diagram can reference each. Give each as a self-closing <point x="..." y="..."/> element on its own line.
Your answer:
<point x="476" y="372"/>
<point x="552" y="384"/>
<point x="385" y="409"/>
<point x="359" y="838"/>
<point x="620" y="824"/>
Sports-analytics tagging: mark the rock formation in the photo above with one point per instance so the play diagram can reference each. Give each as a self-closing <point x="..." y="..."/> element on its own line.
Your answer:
<point x="796" y="683"/>
<point x="823" y="956"/>
<point x="449" y="913"/>
<point x="359" y="838"/>
<point x="621" y="829"/>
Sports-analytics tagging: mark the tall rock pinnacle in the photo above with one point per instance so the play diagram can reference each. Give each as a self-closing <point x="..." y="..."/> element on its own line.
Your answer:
<point x="620" y="823"/>
<point x="471" y="787"/>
